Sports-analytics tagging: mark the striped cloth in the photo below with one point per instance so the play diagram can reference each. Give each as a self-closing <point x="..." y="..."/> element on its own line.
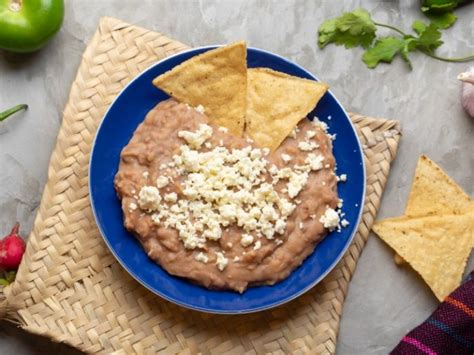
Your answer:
<point x="449" y="330"/>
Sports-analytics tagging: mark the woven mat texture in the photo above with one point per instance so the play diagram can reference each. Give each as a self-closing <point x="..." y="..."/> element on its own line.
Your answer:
<point x="69" y="286"/>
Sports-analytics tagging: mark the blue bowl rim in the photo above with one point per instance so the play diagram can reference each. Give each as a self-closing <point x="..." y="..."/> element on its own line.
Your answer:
<point x="250" y="310"/>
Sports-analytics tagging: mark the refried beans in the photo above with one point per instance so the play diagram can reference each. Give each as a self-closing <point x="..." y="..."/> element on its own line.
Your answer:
<point x="149" y="156"/>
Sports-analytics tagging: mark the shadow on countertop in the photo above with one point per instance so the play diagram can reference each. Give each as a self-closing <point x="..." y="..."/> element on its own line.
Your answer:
<point x="16" y="341"/>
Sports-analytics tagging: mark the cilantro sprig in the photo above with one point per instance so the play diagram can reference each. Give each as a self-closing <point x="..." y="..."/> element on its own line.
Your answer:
<point x="7" y="277"/>
<point x="358" y="29"/>
<point x="440" y="12"/>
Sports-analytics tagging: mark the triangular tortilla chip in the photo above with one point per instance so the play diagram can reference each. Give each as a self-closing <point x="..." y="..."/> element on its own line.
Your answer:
<point x="217" y="80"/>
<point x="434" y="192"/>
<point x="276" y="102"/>
<point x="437" y="247"/>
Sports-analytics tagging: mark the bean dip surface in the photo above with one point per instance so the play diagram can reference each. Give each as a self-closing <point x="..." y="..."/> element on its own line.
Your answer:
<point x="264" y="245"/>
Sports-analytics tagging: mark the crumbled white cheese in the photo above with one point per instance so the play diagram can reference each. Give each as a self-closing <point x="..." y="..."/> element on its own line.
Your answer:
<point x="310" y="134"/>
<point x="196" y="139"/>
<point x="278" y="242"/>
<point x="162" y="181"/>
<point x="201" y="257"/>
<point x="343" y="177"/>
<point x="257" y="245"/>
<point x="286" y="158"/>
<point x="307" y="146"/>
<point x="236" y="259"/>
<point x="294" y="132"/>
<point x="246" y="240"/>
<point x="340" y="202"/>
<point x="223" y="129"/>
<point x="315" y="161"/>
<point x="330" y="219"/>
<point x="344" y="223"/>
<point x="171" y="197"/>
<point x="132" y="206"/>
<point x="280" y="226"/>
<point x="221" y="261"/>
<point x="296" y="183"/>
<point x="301" y="225"/>
<point x="317" y="123"/>
<point x="200" y="108"/>
<point x="149" y="198"/>
<point x="223" y="187"/>
<point x="208" y="145"/>
<point x="145" y="174"/>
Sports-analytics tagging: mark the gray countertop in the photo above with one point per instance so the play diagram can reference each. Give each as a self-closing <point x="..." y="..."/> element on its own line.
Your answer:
<point x="384" y="301"/>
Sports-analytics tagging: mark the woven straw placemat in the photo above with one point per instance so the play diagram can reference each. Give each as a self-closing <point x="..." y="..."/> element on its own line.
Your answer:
<point x="71" y="289"/>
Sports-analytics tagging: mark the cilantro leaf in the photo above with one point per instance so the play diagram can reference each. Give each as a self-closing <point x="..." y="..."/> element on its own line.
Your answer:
<point x="429" y="38"/>
<point x="443" y="21"/>
<point x="418" y="26"/>
<point x="440" y="12"/>
<point x="7" y="278"/>
<point x="439" y="6"/>
<point x="351" y="29"/>
<point x="384" y="50"/>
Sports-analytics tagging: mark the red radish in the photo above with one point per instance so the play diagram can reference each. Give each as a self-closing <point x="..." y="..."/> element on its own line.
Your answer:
<point x="12" y="248"/>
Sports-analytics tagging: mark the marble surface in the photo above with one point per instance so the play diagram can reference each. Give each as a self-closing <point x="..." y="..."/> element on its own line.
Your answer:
<point x="384" y="301"/>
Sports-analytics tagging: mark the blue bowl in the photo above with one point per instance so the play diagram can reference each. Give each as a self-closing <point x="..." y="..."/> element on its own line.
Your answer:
<point x="129" y="110"/>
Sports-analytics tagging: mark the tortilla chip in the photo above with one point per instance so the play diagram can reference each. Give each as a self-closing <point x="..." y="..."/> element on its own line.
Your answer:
<point x="434" y="192"/>
<point x="276" y="102"/>
<point x="437" y="247"/>
<point x="217" y="80"/>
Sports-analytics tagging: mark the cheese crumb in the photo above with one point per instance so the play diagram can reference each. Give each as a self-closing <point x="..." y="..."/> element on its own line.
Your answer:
<point x="196" y="139"/>
<point x="286" y="158"/>
<point x="344" y="223"/>
<point x="307" y="146"/>
<point x="200" y="108"/>
<point x="315" y="161"/>
<point x="310" y="134"/>
<point x="330" y="219"/>
<point x="246" y="240"/>
<point x="340" y="202"/>
<point x="223" y="129"/>
<point x="236" y="259"/>
<point x="171" y="197"/>
<point x="149" y="198"/>
<point x="322" y="125"/>
<point x="343" y="177"/>
<point x="201" y="257"/>
<point x="132" y="206"/>
<point x="221" y="261"/>
<point x="145" y="174"/>
<point x="296" y="183"/>
<point x="258" y="245"/>
<point x="162" y="181"/>
<point x="294" y="132"/>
